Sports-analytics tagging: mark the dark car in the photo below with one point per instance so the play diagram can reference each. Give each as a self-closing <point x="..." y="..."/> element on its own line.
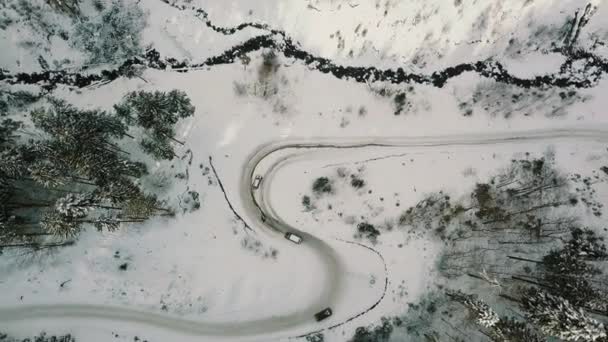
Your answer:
<point x="321" y="315"/>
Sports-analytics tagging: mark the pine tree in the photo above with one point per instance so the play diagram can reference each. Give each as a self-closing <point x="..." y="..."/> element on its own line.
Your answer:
<point x="46" y="174"/>
<point x="511" y="330"/>
<point x="74" y="206"/>
<point x="12" y="162"/>
<point x="69" y="124"/>
<point x="159" y="148"/>
<point x="118" y="190"/>
<point x="482" y="312"/>
<point x="59" y="225"/>
<point x="141" y="206"/>
<point x="555" y="316"/>
<point x="568" y="271"/>
<point x="157" y="112"/>
<point x="106" y="223"/>
<point x="7" y="131"/>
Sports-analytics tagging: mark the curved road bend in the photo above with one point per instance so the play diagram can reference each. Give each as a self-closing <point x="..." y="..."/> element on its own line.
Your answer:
<point x="275" y="226"/>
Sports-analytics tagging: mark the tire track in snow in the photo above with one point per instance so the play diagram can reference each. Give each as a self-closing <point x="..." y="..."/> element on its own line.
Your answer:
<point x="373" y="306"/>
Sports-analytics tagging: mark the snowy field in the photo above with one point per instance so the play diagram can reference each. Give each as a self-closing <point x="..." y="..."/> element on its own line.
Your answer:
<point x="210" y="275"/>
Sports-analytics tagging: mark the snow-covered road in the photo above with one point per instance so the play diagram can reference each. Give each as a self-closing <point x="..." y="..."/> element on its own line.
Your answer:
<point x="274" y="226"/>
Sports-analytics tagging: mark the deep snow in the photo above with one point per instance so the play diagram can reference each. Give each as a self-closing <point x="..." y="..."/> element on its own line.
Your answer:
<point x="195" y="266"/>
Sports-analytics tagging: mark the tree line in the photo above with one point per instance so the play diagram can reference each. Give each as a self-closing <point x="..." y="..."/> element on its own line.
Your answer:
<point x="66" y="167"/>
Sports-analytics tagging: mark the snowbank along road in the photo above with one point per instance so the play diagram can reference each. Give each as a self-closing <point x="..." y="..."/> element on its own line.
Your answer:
<point x="257" y="207"/>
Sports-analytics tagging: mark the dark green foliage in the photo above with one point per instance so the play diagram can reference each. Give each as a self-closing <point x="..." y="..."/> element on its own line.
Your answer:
<point x="306" y="202"/>
<point x="487" y="206"/>
<point x="159" y="149"/>
<point x="77" y="150"/>
<point x="69" y="124"/>
<point x="569" y="271"/>
<point x="357" y="183"/>
<point x="7" y="130"/>
<point x="399" y="103"/>
<point x="118" y="190"/>
<point x="379" y="333"/>
<point x="368" y="231"/>
<point x="509" y="329"/>
<point x="555" y="316"/>
<point x="114" y="35"/>
<point x="605" y="169"/>
<point x="157" y="112"/>
<point x="322" y="185"/>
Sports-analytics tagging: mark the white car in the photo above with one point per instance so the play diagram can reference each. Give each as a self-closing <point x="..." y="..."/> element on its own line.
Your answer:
<point x="293" y="238"/>
<point x="256" y="182"/>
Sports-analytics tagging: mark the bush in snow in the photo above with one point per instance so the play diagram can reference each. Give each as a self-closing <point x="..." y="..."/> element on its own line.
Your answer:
<point x="357" y="182"/>
<point x="308" y="206"/>
<point x="114" y="35"/>
<point x="322" y="185"/>
<point x="379" y="333"/>
<point x="367" y="230"/>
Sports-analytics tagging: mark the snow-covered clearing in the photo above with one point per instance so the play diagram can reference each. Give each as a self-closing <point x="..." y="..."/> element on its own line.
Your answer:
<point x="204" y="276"/>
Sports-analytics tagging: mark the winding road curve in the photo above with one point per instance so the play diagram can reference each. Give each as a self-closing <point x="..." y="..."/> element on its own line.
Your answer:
<point x="275" y="226"/>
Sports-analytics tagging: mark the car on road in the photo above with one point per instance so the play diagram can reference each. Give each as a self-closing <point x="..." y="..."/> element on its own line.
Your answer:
<point x="321" y="315"/>
<point x="293" y="238"/>
<point x="256" y="182"/>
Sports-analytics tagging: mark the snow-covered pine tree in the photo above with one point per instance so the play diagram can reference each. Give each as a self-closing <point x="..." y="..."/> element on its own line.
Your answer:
<point x="159" y="148"/>
<point x="482" y="312"/>
<point x="118" y="190"/>
<point x="157" y="112"/>
<point x="587" y="244"/>
<point x="569" y="271"/>
<point x="106" y="223"/>
<point x="112" y="36"/>
<point x="46" y="174"/>
<point x="142" y="206"/>
<point x="69" y="124"/>
<point x="556" y="317"/>
<point x="59" y="225"/>
<point x="511" y="330"/>
<point x="74" y="206"/>
<point x="11" y="162"/>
